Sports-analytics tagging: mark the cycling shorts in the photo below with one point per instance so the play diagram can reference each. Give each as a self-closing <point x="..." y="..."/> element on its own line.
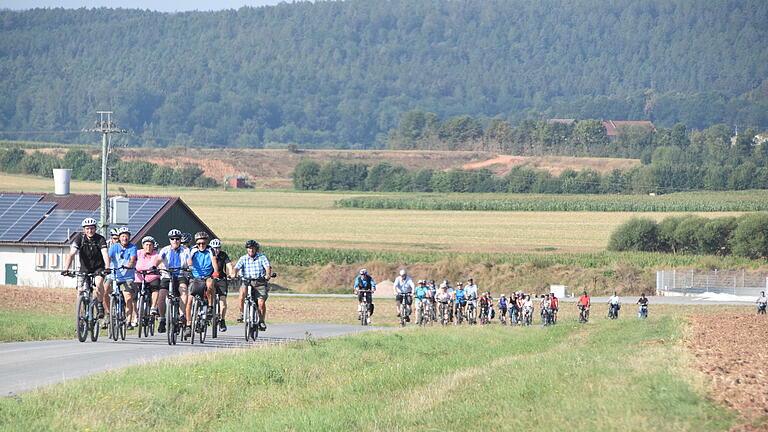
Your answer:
<point x="177" y="282"/>
<point x="198" y="286"/>
<point x="222" y="287"/>
<point x="409" y="299"/>
<point x="367" y="295"/>
<point x="153" y="286"/>
<point x="461" y="303"/>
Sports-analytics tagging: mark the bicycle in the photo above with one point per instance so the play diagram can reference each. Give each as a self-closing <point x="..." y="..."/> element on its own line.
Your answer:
<point x="251" y="317"/>
<point x="405" y="309"/>
<point x="546" y="316"/>
<point x="422" y="313"/>
<point x="173" y="322"/>
<point x="643" y="312"/>
<point x="216" y="313"/>
<point x="444" y="315"/>
<point x="471" y="312"/>
<point x="118" y="325"/>
<point x="364" y="306"/>
<point x="86" y="311"/>
<point x="145" y="319"/>
<point x="613" y="311"/>
<point x="485" y="315"/>
<point x="527" y="316"/>
<point x="761" y="308"/>
<point x="460" y="313"/>
<point x="199" y="317"/>
<point x="584" y="314"/>
<point x="503" y="316"/>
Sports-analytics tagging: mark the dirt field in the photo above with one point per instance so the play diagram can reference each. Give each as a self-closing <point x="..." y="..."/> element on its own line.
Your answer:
<point x="732" y="350"/>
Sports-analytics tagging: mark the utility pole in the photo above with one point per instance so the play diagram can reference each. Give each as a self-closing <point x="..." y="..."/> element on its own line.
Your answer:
<point x="105" y="126"/>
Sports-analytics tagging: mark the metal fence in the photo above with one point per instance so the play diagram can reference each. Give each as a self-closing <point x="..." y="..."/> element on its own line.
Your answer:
<point x="736" y="282"/>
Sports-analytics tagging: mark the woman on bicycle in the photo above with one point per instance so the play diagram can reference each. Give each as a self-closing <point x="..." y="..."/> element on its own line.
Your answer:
<point x="460" y="300"/>
<point x="503" y="306"/>
<point x="123" y="258"/>
<point x="145" y="260"/>
<point x="421" y="295"/>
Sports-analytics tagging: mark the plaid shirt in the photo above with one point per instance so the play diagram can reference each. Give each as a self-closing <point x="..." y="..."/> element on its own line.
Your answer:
<point x="253" y="268"/>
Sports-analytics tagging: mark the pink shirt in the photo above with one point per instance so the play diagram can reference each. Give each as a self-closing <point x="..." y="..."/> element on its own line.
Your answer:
<point x="145" y="261"/>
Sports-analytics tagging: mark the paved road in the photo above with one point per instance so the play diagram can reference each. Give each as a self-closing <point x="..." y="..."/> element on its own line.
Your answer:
<point x="28" y="365"/>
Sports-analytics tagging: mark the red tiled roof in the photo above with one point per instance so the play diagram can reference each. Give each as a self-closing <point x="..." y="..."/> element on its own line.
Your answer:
<point x="75" y="201"/>
<point x="612" y="127"/>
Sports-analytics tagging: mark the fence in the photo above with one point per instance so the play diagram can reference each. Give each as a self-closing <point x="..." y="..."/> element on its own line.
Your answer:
<point x="736" y="282"/>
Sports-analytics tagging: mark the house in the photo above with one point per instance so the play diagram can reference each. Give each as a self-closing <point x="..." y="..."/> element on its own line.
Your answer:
<point x="612" y="128"/>
<point x="36" y="230"/>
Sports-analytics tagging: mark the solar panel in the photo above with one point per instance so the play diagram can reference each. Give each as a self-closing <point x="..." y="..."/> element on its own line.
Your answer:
<point x="141" y="210"/>
<point x="17" y="220"/>
<point x="60" y="225"/>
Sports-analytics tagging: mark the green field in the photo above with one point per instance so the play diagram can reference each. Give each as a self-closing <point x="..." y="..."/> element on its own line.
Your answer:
<point x="626" y="375"/>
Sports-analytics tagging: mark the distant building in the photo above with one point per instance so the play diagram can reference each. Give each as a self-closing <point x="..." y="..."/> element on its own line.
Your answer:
<point x="612" y="127"/>
<point x="237" y="182"/>
<point x="36" y="230"/>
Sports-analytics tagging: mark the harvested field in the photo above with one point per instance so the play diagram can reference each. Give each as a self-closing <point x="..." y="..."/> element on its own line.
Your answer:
<point x="502" y="165"/>
<point x="732" y="350"/>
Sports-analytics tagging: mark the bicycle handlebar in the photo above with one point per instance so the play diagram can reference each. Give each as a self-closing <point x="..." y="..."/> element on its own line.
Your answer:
<point x="69" y="273"/>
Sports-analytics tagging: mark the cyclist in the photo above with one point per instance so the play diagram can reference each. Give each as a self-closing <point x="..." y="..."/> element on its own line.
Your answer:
<point x="204" y="268"/>
<point x="145" y="260"/>
<point x="584" y="302"/>
<point x="221" y="284"/>
<point x="443" y="297"/>
<point x="471" y="292"/>
<point x="422" y="295"/>
<point x="546" y="304"/>
<point x="486" y="305"/>
<point x="365" y="282"/>
<point x="114" y="238"/>
<point x="123" y="258"/>
<point x="254" y="265"/>
<point x="643" y="302"/>
<point x="174" y="256"/>
<point x="460" y="299"/>
<point x="554" y="304"/>
<point x="432" y="288"/>
<point x="527" y="307"/>
<point x="762" y="301"/>
<point x="94" y="258"/>
<point x="403" y="289"/>
<point x="503" y="306"/>
<point x="614" y="306"/>
<point x="449" y="290"/>
<point x="186" y="241"/>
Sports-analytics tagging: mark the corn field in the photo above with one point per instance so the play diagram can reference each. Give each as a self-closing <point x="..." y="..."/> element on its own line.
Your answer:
<point x="681" y="202"/>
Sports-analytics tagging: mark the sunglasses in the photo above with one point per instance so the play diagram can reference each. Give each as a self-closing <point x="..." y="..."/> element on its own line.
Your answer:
<point x="200" y="243"/>
<point x="175" y="239"/>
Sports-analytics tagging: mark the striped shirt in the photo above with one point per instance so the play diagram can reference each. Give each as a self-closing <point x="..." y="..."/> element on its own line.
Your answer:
<point x="253" y="268"/>
<point x="174" y="258"/>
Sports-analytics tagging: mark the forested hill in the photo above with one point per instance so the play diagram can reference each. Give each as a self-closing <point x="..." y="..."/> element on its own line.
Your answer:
<point x="342" y="73"/>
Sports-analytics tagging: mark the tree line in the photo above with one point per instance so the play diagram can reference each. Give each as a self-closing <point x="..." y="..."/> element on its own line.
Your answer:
<point x="84" y="167"/>
<point x="342" y="73"/>
<point x="672" y="159"/>
<point x="745" y="236"/>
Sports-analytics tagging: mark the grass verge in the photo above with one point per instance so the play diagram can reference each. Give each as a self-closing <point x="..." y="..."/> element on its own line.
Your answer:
<point x="607" y="375"/>
<point x="28" y="325"/>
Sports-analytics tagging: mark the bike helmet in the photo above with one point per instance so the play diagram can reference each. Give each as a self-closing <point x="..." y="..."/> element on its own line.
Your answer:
<point x="156" y="244"/>
<point x="202" y="235"/>
<point x="123" y="230"/>
<point x="252" y="244"/>
<point x="89" y="222"/>
<point x="114" y="232"/>
<point x="422" y="282"/>
<point x="469" y="279"/>
<point x="460" y="283"/>
<point x="503" y="295"/>
<point x="215" y="243"/>
<point x="148" y="239"/>
<point x="186" y="238"/>
<point x="363" y="271"/>
<point x="403" y="272"/>
<point x="174" y="233"/>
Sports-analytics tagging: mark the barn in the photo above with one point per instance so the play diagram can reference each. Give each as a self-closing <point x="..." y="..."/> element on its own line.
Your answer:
<point x="36" y="230"/>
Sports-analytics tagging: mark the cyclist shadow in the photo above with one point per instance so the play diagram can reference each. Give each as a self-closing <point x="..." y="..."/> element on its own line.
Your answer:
<point x="223" y="341"/>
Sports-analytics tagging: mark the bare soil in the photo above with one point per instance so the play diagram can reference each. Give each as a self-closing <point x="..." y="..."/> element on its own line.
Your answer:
<point x="732" y="350"/>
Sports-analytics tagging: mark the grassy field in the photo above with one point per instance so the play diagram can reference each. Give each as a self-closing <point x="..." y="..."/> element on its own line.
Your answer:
<point x="626" y="375"/>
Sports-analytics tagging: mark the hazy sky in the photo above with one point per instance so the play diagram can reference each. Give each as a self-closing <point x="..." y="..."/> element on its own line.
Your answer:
<point x="164" y="6"/>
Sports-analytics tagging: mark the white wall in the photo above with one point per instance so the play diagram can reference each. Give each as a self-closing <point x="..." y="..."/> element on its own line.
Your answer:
<point x="38" y="266"/>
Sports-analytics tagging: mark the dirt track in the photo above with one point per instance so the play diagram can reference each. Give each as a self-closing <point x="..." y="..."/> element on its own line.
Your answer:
<point x="732" y="350"/>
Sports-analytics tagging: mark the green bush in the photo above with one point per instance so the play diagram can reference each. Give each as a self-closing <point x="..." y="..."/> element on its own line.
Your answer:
<point x="750" y="238"/>
<point x="716" y="236"/>
<point x="305" y="175"/>
<point x="637" y="234"/>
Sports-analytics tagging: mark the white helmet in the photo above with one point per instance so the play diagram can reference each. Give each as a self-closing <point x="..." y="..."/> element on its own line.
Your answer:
<point x="89" y="222"/>
<point x="403" y="272"/>
<point x="174" y="233"/>
<point x="363" y="271"/>
<point x="215" y="243"/>
<point x="123" y="230"/>
<point x="148" y="239"/>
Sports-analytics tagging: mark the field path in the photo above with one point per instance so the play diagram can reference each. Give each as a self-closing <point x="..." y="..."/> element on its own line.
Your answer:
<point x="28" y="365"/>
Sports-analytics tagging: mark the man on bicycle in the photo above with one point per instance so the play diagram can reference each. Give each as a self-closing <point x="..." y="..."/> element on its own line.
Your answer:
<point x="365" y="282"/>
<point x="403" y="290"/>
<point x="421" y="295"/>
<point x="460" y="299"/>
<point x="114" y="238"/>
<point x="584" y="303"/>
<point x="643" y="302"/>
<point x="254" y="265"/>
<point x="554" y="304"/>
<point x="471" y="291"/>
<point x="486" y="305"/>
<point x="221" y="283"/>
<point x="94" y="258"/>
<point x="613" y="305"/>
<point x="503" y="305"/>
<point x="123" y="258"/>
<point x="174" y="256"/>
<point x="204" y="268"/>
<point x="762" y="301"/>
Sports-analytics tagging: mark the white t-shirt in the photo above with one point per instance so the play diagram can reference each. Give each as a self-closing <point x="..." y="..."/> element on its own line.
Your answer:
<point x="404" y="286"/>
<point x="614" y="300"/>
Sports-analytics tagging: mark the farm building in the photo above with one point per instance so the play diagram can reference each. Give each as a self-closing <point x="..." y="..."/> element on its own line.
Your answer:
<point x="612" y="128"/>
<point x="36" y="230"/>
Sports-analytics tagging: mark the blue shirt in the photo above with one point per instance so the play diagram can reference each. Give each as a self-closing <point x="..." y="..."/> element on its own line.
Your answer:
<point x="460" y="295"/>
<point x="202" y="266"/>
<point x="253" y="268"/>
<point x="174" y="258"/>
<point x="119" y="257"/>
<point x="421" y="292"/>
<point x="365" y="283"/>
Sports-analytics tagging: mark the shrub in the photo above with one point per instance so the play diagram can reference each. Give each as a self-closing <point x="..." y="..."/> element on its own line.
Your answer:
<point x="750" y="238"/>
<point x="637" y="234"/>
<point x="305" y="175"/>
<point x="716" y="236"/>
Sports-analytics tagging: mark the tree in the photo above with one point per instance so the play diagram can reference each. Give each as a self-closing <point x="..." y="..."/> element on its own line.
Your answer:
<point x="637" y="234"/>
<point x="750" y="238"/>
<point x="10" y="161"/>
<point x="305" y="175"/>
<point x="162" y="176"/>
<point x="716" y="236"/>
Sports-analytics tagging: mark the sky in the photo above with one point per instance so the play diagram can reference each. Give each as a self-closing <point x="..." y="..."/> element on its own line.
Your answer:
<point x="163" y="6"/>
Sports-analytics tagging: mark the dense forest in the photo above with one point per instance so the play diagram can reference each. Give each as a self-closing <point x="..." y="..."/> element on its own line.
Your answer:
<point x="343" y="73"/>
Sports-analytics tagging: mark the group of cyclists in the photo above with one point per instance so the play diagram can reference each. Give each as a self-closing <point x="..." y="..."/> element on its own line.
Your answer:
<point x="199" y="269"/>
<point x="464" y="302"/>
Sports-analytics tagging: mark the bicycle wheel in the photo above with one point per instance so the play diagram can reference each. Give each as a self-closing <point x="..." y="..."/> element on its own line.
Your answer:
<point x="215" y="319"/>
<point x="140" y="313"/>
<point x="247" y="320"/>
<point x="113" y="332"/>
<point x="255" y="318"/>
<point x="170" y="322"/>
<point x="192" y="319"/>
<point x="202" y="326"/>
<point x="364" y="313"/>
<point x="81" y="323"/>
<point x="93" y="325"/>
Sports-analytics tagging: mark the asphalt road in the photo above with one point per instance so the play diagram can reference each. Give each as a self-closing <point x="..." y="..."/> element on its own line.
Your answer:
<point x="28" y="365"/>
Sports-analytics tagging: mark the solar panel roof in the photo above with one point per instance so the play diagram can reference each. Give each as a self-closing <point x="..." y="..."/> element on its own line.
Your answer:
<point x="59" y="226"/>
<point x="17" y="219"/>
